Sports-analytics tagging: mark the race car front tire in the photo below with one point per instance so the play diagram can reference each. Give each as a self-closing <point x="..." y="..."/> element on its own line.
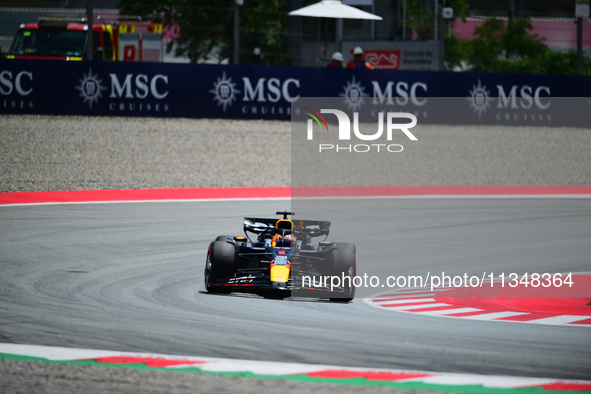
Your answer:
<point x="221" y="264"/>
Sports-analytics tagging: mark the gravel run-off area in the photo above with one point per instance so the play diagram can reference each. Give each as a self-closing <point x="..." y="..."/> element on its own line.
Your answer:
<point x="44" y="153"/>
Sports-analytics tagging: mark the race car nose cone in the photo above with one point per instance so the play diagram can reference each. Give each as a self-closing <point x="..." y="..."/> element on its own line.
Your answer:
<point x="279" y="285"/>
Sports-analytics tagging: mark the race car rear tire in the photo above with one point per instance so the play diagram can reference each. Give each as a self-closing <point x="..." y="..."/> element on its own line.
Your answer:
<point x="343" y="263"/>
<point x="221" y="261"/>
<point x="224" y="237"/>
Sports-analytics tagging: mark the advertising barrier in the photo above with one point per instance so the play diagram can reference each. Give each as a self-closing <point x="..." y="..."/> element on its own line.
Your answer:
<point x="260" y="92"/>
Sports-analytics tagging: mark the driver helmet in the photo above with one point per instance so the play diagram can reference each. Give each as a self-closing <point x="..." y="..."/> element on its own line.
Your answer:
<point x="281" y="241"/>
<point x="287" y="240"/>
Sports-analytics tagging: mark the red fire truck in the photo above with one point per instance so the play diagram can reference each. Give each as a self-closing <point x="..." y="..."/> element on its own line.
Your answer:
<point x="66" y="38"/>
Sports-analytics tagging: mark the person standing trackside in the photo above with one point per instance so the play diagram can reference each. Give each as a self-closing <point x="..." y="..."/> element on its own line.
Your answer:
<point x="358" y="61"/>
<point x="336" y="61"/>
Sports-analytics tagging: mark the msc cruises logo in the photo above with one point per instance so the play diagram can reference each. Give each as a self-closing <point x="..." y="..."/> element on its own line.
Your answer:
<point x="129" y="93"/>
<point x="90" y="88"/>
<point x="354" y="94"/>
<point x="258" y="96"/>
<point x="224" y="91"/>
<point x="512" y="103"/>
<point x="480" y="100"/>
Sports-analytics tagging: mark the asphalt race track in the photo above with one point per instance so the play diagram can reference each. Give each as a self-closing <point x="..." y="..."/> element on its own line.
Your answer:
<point x="128" y="276"/>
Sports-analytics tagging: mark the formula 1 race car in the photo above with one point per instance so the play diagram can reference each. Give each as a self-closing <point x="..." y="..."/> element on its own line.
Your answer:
<point x="280" y="260"/>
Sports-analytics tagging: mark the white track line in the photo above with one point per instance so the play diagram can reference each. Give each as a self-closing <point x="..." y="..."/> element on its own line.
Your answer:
<point x="562" y="319"/>
<point x="449" y="311"/>
<point x="420" y="306"/>
<point x="404" y="301"/>
<point x="495" y="315"/>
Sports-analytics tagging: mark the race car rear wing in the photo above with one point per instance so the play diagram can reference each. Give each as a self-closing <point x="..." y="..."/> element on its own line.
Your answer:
<point x="313" y="228"/>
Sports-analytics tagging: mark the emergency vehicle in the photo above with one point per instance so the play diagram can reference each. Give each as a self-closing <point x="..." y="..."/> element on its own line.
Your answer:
<point x="66" y="38"/>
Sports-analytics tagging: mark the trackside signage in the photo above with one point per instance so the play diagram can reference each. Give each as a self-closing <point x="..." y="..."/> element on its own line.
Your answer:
<point x="259" y="92"/>
<point x="516" y="103"/>
<point x="16" y="88"/>
<point x="125" y="93"/>
<point x="262" y="96"/>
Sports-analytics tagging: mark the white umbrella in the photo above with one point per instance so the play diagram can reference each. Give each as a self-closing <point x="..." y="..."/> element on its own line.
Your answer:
<point x="334" y="9"/>
<point x="337" y="10"/>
